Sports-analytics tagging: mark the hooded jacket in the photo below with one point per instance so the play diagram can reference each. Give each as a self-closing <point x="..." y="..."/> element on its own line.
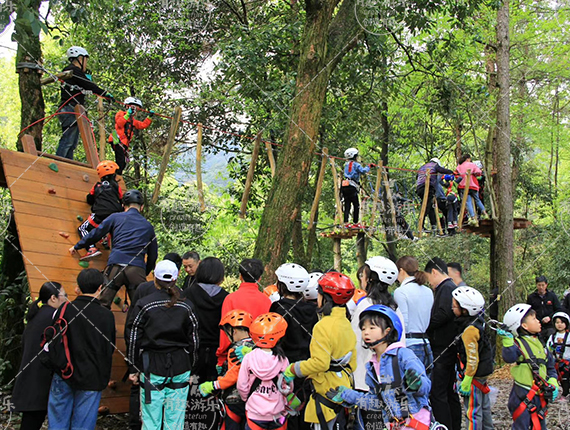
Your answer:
<point x="266" y="403"/>
<point x="301" y="317"/>
<point x="474" y="349"/>
<point x="207" y="300"/>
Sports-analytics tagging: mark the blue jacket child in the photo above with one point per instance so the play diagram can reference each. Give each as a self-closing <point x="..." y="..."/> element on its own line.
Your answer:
<point x="399" y="386"/>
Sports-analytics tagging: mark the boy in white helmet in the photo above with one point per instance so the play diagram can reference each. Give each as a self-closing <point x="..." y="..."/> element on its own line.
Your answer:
<point x="73" y="93"/>
<point x="535" y="376"/>
<point x="351" y="185"/>
<point x="125" y="125"/>
<point x="475" y="356"/>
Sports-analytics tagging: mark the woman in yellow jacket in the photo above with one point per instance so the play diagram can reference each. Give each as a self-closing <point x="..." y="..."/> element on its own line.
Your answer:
<point x="333" y="353"/>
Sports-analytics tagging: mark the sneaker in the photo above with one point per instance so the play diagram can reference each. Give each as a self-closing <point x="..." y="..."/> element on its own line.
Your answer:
<point x="473" y="222"/>
<point x="358" y="226"/>
<point x="449" y="225"/>
<point x="485" y="216"/>
<point x="92" y="252"/>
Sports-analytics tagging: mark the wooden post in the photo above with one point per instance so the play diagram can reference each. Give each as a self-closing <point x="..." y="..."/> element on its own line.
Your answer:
<point x="102" y="134"/>
<point x="361" y="249"/>
<point x="249" y="179"/>
<point x="199" y="169"/>
<point x="389" y="198"/>
<point x="167" y="150"/>
<point x="437" y="220"/>
<point x="29" y="145"/>
<point x="318" y="188"/>
<point x="338" y="214"/>
<point x="464" y="200"/>
<point x="424" y="205"/>
<point x="269" y="149"/>
<point x="336" y="254"/>
<point x="61" y="75"/>
<point x="86" y="136"/>
<point x="376" y="193"/>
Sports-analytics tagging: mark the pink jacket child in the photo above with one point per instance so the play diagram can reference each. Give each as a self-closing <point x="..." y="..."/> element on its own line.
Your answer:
<point x="475" y="171"/>
<point x="259" y="374"/>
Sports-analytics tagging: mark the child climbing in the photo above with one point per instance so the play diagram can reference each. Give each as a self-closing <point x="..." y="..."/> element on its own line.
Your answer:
<point x="399" y="386"/>
<point x="332" y="353"/>
<point x="235" y="324"/>
<point x="475" y="357"/>
<point x="351" y="185"/>
<point x="259" y="383"/>
<point x="559" y="345"/>
<point x="433" y="166"/>
<point x="125" y="125"/>
<point x="535" y="380"/>
<point x="105" y="199"/>
<point x="465" y="164"/>
<point x="73" y="93"/>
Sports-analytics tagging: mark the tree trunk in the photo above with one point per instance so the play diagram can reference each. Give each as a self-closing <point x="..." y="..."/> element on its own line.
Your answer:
<point x="504" y="223"/>
<point x="29" y="51"/>
<point x="391" y="233"/>
<point x="323" y="43"/>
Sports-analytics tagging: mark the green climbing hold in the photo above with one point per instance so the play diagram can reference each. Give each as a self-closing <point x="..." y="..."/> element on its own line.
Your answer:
<point x="84" y="264"/>
<point x="53" y="167"/>
<point x="117" y="300"/>
<point x="79" y="217"/>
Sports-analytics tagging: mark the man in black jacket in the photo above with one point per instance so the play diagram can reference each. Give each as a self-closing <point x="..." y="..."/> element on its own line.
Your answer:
<point x="74" y="402"/>
<point x="442" y="332"/>
<point x="72" y="94"/>
<point x="545" y="303"/>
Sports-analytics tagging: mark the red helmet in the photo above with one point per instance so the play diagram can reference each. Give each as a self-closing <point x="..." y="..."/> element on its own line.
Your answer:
<point x="338" y="286"/>
<point x="237" y="318"/>
<point x="106" y="167"/>
<point x="267" y="329"/>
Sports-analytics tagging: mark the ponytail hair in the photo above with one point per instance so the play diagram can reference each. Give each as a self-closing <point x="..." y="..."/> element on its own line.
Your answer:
<point x="377" y="291"/>
<point x="47" y="290"/>
<point x="171" y="289"/>
<point x="411" y="266"/>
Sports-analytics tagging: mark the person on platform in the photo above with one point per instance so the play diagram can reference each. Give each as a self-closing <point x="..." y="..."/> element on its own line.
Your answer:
<point x="350" y="186"/>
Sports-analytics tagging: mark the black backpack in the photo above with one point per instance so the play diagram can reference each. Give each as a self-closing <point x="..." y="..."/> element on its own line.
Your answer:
<point x="55" y="353"/>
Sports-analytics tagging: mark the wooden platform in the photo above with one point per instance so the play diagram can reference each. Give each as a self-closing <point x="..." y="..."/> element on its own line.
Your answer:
<point x="46" y="203"/>
<point x="486" y="226"/>
<point x="343" y="233"/>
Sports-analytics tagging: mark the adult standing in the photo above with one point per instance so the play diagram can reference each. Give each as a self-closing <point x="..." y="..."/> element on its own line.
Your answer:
<point x="133" y="239"/>
<point x="207" y="296"/>
<point x="72" y="94"/>
<point x="455" y="272"/>
<point x="408" y="295"/>
<point x="566" y="301"/>
<point x="190" y="262"/>
<point x="31" y="390"/>
<point x="545" y="303"/>
<point x="442" y="332"/>
<point x="433" y="167"/>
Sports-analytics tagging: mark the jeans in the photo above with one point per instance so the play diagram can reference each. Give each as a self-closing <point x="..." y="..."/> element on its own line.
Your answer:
<point x="69" y="133"/>
<point x="475" y="196"/>
<point x="167" y="406"/>
<point x="423" y="352"/>
<point x="70" y="409"/>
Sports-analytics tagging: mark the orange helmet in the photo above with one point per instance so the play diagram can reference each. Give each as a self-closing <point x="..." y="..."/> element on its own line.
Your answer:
<point x="267" y="329"/>
<point x="106" y="167"/>
<point x="237" y="318"/>
<point x="270" y="289"/>
<point x="338" y="286"/>
<point x="358" y="294"/>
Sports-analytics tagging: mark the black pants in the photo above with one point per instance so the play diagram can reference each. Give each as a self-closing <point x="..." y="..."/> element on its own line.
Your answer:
<point x="430" y="211"/>
<point x="129" y="276"/>
<point x="135" y="408"/>
<point x="33" y="420"/>
<point x="350" y="197"/>
<point x="120" y="157"/>
<point x="205" y="367"/>
<point x="444" y="400"/>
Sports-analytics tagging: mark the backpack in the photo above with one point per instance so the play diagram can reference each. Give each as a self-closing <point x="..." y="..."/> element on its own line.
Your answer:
<point x="55" y="353"/>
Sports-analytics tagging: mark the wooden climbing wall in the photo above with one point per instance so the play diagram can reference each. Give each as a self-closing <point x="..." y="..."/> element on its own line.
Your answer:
<point x="46" y="203"/>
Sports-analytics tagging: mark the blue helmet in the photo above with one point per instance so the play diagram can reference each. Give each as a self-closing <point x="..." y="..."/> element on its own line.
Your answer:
<point x="388" y="312"/>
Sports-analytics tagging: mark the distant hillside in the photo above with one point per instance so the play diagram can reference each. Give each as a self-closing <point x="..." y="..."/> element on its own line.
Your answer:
<point x="214" y="169"/>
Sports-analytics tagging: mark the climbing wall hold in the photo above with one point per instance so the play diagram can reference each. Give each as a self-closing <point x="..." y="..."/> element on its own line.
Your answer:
<point x="84" y="264"/>
<point x="79" y="217"/>
<point x="64" y="235"/>
<point x="51" y="191"/>
<point x="86" y="178"/>
<point x="53" y="167"/>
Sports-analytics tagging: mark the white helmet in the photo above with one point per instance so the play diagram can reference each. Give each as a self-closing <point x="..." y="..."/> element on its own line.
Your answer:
<point x="350" y="153"/>
<point x="436" y="160"/>
<point x="514" y="315"/>
<point x="294" y="276"/>
<point x="133" y="101"/>
<point x="385" y="268"/>
<point x="311" y="290"/>
<point x="562" y="315"/>
<point x="478" y="164"/>
<point x="469" y="299"/>
<point x="76" y="51"/>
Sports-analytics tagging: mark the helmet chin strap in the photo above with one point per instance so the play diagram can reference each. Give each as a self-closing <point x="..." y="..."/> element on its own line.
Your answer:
<point x="369" y="345"/>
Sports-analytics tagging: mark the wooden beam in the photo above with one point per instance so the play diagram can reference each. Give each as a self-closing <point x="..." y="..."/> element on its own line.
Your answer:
<point x="167" y="151"/>
<point x="86" y="136"/>
<point x="437" y="220"/>
<point x="318" y="188"/>
<point x="56" y="77"/>
<point x="336" y="184"/>
<point x="361" y="249"/>
<point x="424" y="205"/>
<point x="376" y="193"/>
<point x="29" y="145"/>
<point x="101" y="125"/>
<point x="389" y="198"/>
<point x="337" y="254"/>
<point x="464" y="200"/>
<point x="269" y="149"/>
<point x="199" y="184"/>
<point x="250" y="173"/>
